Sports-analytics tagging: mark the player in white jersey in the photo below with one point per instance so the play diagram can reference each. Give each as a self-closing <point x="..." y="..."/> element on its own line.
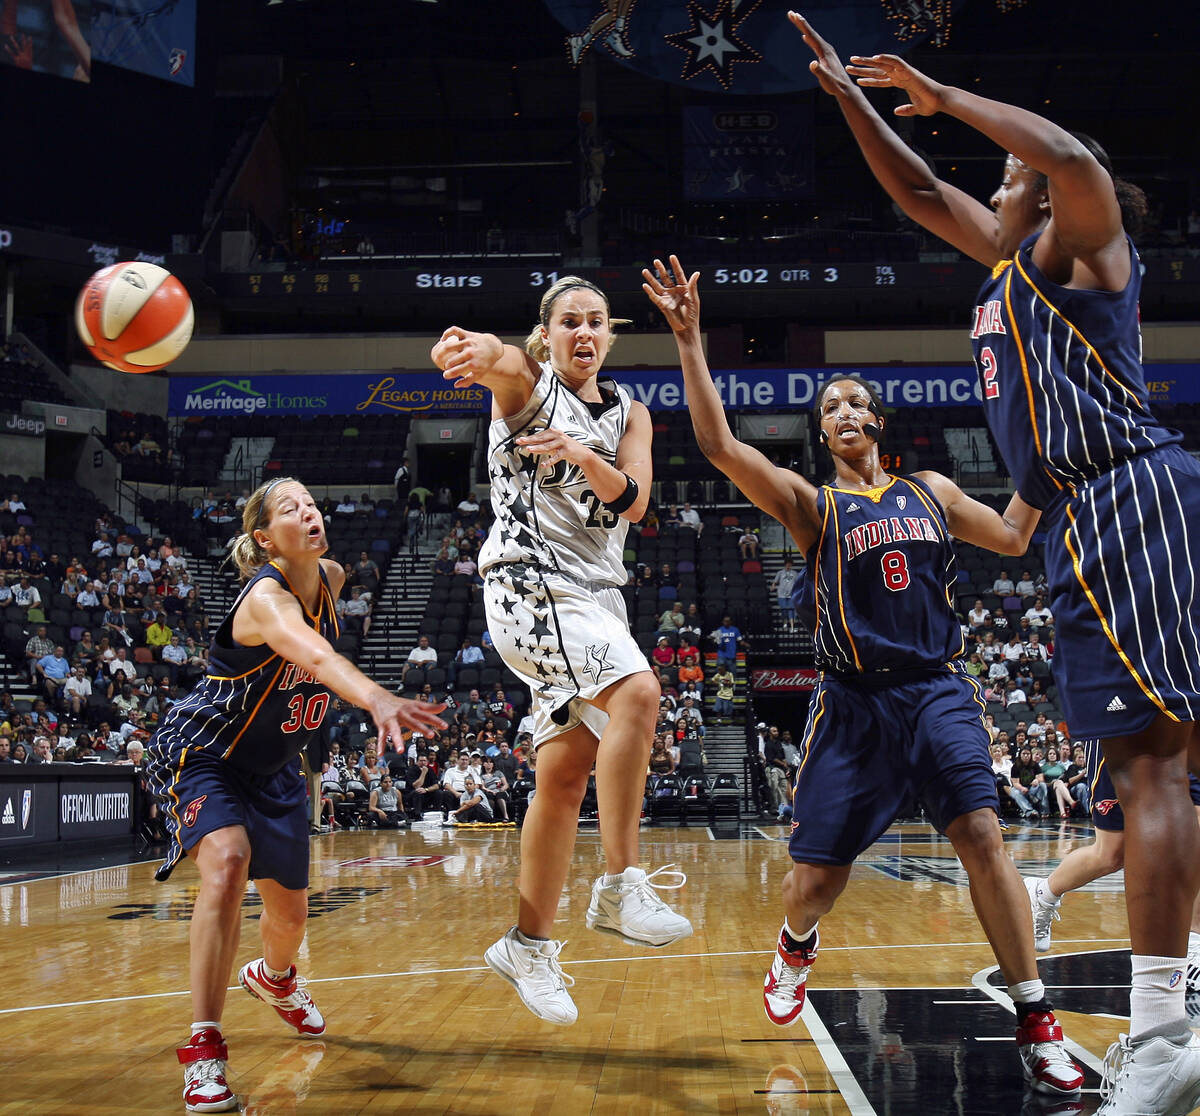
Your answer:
<point x="569" y="463"/>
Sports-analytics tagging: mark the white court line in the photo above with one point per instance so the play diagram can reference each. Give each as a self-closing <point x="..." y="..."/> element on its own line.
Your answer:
<point x="980" y="981"/>
<point x="839" y="1070"/>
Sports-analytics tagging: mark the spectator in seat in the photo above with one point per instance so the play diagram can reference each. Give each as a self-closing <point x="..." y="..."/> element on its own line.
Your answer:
<point x="121" y="668"/>
<point x="158" y="635"/>
<point x="506" y="762"/>
<point x="27" y="597"/>
<point x="671" y="521"/>
<point x="76" y="691"/>
<point x="175" y="657"/>
<point x="345" y="506"/>
<point x="693" y="624"/>
<point x="386" y="806"/>
<point x="424" y="789"/>
<point x="782" y="584"/>
<point x="499" y="707"/>
<point x="692" y="672"/>
<point x="468" y="507"/>
<point x="53" y="670"/>
<point x="978" y="615"/>
<point x="87" y="596"/>
<point x="662" y="656"/>
<point x="443" y="564"/>
<point x="454" y="782"/>
<point x="690" y="517"/>
<point x="1025" y="587"/>
<point x="356" y="612"/>
<point x="748" y="545"/>
<point x="37" y="647"/>
<point x="1003" y="585"/>
<point x="475" y="710"/>
<point x="671" y="621"/>
<point x="1027" y="787"/>
<point x="420" y="659"/>
<point x="1038" y="614"/>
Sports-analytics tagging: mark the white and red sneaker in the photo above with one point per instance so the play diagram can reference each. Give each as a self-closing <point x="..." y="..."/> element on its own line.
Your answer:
<point x="1048" y="1067"/>
<point x="288" y="997"/>
<point x="783" y="988"/>
<point x="204" y="1086"/>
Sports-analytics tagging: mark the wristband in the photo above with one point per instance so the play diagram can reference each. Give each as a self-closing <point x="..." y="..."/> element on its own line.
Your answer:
<point x="627" y="498"/>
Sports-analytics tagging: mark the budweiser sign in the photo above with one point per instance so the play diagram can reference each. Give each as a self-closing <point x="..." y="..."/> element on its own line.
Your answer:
<point x="797" y="678"/>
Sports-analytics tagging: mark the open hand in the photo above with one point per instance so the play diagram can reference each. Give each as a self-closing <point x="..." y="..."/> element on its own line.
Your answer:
<point x="827" y="66"/>
<point x="19" y="49"/>
<point x="395" y="713"/>
<point x="676" y="297"/>
<point x="884" y="71"/>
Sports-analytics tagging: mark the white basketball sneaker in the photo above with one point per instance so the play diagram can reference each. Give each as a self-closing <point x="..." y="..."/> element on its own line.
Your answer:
<point x="204" y="1086"/>
<point x="1045" y="911"/>
<point x="288" y="997"/>
<point x="630" y="908"/>
<point x="534" y="971"/>
<point x="784" y="986"/>
<point x="1156" y="1077"/>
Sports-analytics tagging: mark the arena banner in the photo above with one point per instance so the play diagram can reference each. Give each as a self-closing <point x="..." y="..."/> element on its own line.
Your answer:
<point x="783" y="680"/>
<point x="155" y="37"/>
<point x="741" y="389"/>
<point x="748" y="153"/>
<point x="99" y="807"/>
<point x="50" y="37"/>
<point x="27" y="810"/>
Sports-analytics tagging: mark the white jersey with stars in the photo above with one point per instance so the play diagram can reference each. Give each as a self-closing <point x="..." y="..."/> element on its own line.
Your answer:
<point x="548" y="516"/>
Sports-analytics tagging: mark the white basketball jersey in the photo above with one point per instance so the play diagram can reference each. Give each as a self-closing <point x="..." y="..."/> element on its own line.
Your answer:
<point x="548" y="516"/>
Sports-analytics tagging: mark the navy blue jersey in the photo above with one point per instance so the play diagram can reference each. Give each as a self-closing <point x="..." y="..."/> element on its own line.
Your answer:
<point x="1061" y="375"/>
<point x="253" y="708"/>
<point x="883" y="570"/>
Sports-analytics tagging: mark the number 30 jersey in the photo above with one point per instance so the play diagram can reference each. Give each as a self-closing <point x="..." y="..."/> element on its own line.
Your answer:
<point x="548" y="516"/>
<point x="883" y="573"/>
<point x="253" y="708"/>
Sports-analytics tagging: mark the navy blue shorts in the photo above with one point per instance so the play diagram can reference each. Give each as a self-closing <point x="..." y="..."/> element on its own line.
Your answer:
<point x="1106" y="809"/>
<point x="1123" y="561"/>
<point x="204" y="794"/>
<point x="869" y="747"/>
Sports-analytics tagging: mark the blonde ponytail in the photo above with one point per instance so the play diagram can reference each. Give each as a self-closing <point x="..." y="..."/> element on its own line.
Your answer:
<point x="244" y="551"/>
<point x="535" y="343"/>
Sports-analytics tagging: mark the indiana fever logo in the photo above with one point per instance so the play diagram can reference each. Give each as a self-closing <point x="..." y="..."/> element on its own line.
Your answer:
<point x="1105" y="805"/>
<point x="192" y="809"/>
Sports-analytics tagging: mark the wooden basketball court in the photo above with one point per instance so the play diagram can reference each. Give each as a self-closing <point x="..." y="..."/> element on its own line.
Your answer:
<point x="902" y="1019"/>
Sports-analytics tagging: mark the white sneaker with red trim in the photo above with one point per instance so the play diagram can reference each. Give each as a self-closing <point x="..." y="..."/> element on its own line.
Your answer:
<point x="288" y="997"/>
<point x="204" y="1087"/>
<point x="1048" y="1067"/>
<point x="784" y="985"/>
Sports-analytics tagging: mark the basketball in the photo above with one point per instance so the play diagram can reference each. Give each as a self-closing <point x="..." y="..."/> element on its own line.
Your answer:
<point x="134" y="317"/>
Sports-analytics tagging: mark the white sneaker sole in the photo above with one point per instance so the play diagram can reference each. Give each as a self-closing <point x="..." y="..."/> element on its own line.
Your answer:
<point x="249" y="987"/>
<point x="498" y="963"/>
<point x="593" y="920"/>
<point x="228" y="1105"/>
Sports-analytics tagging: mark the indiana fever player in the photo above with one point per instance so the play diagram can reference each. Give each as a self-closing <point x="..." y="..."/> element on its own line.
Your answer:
<point x="1058" y="349"/>
<point x="226" y="762"/>
<point x="894" y="712"/>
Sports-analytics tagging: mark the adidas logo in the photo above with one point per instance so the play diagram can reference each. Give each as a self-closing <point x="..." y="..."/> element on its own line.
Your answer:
<point x="10" y="817"/>
<point x="1116" y="705"/>
<point x="851" y="507"/>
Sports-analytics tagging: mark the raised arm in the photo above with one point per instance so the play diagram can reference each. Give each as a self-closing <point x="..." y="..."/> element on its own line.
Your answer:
<point x="272" y="615"/>
<point x="980" y="525"/>
<point x="482" y="358"/>
<point x="1084" y="215"/>
<point x="779" y="492"/>
<point x="944" y="210"/>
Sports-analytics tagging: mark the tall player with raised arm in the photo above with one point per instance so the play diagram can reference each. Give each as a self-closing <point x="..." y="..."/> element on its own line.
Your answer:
<point x="1058" y="349"/>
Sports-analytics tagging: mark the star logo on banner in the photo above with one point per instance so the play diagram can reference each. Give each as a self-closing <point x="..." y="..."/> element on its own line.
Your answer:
<point x="737" y="182"/>
<point x="712" y="42"/>
<point x="595" y="663"/>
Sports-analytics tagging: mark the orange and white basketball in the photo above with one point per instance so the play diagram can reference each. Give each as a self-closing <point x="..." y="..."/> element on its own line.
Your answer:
<point x="134" y="317"/>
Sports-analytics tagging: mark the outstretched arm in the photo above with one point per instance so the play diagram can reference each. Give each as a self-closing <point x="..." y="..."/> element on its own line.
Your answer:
<point x="976" y="523"/>
<point x="271" y="615"/>
<point x="779" y="492"/>
<point x="943" y="209"/>
<point x="482" y="358"/>
<point x="1085" y="218"/>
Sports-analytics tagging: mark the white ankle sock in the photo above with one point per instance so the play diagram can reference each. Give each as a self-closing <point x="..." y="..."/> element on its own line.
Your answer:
<point x="205" y="1025"/>
<point x="531" y="940"/>
<point x="798" y="937"/>
<point x="1156" y="996"/>
<point x="612" y="879"/>
<point x="1046" y="894"/>
<point x="277" y="977"/>
<point x="1027" y="992"/>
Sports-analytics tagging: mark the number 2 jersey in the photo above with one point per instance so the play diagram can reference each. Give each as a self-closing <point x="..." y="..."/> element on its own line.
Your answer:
<point x="882" y="573"/>
<point x="549" y="517"/>
<point x="253" y="709"/>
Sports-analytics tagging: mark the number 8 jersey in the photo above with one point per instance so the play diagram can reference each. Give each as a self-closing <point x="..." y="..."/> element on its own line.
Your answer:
<point x="883" y="573"/>
<point x="548" y="516"/>
<point x="253" y="708"/>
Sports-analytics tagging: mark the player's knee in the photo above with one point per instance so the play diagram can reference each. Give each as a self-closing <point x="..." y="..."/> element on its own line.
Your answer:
<point x="813" y="886"/>
<point x="226" y="869"/>
<point x="636" y="696"/>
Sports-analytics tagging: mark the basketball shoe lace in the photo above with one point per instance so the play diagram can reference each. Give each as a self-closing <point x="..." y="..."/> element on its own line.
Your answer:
<point x="1114" y="1061"/>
